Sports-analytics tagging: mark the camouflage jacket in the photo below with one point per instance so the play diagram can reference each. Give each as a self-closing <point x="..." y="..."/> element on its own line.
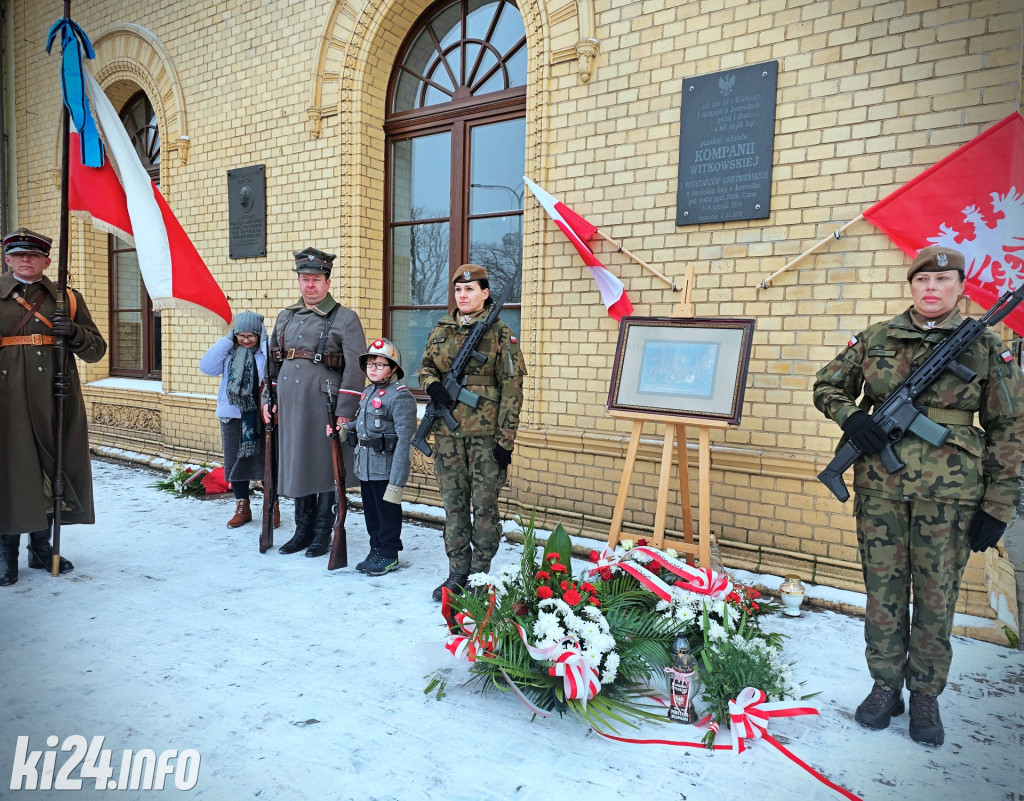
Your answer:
<point x="498" y="380"/>
<point x="979" y="463"/>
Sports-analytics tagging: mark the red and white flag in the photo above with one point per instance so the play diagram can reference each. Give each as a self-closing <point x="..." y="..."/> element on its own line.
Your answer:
<point x="971" y="201"/>
<point x="122" y="199"/>
<point x="580" y="232"/>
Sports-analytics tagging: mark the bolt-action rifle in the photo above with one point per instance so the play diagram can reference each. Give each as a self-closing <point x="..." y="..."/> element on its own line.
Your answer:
<point x="269" y="462"/>
<point x="454" y="381"/>
<point x="899" y="414"/>
<point x="339" y="540"/>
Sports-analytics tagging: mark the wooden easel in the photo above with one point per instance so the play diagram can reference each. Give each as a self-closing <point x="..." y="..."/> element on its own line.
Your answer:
<point x="674" y="446"/>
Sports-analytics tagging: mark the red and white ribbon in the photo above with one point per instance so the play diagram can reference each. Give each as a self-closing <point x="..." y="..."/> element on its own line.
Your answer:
<point x="580" y="678"/>
<point x="464" y="642"/>
<point x="699" y="580"/>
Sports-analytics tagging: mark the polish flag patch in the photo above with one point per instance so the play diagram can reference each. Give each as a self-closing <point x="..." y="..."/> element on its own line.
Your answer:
<point x="1006" y="356"/>
<point x="852" y="342"/>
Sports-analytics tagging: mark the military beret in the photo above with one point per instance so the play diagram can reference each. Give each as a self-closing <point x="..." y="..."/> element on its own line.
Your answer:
<point x="26" y="241"/>
<point x="312" y="260"/>
<point x="937" y="259"/>
<point x="469" y="272"/>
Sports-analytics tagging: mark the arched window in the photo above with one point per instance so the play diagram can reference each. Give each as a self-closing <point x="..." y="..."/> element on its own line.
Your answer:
<point x="134" y="326"/>
<point x="456" y="148"/>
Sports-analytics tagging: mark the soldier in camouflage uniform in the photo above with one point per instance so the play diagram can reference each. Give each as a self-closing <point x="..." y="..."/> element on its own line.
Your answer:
<point x="915" y="527"/>
<point x="471" y="462"/>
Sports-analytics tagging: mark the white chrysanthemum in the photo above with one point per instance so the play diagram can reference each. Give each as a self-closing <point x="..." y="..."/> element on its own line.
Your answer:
<point x="716" y="631"/>
<point x="611" y="668"/>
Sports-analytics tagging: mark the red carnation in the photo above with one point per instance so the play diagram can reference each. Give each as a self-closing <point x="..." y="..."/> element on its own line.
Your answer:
<point x="552" y="557"/>
<point x="752" y="593"/>
<point x="543" y="574"/>
<point x="594" y="556"/>
<point x="572" y="598"/>
<point x="595" y="602"/>
<point x="641" y="542"/>
<point x="586" y="586"/>
<point x="606" y="573"/>
<point x="188" y="470"/>
<point x="544" y="592"/>
<point x="558" y="567"/>
<point x="564" y="585"/>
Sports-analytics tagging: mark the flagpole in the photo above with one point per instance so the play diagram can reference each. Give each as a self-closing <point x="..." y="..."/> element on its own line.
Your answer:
<point x="837" y="234"/>
<point x="671" y="284"/>
<point x="60" y="381"/>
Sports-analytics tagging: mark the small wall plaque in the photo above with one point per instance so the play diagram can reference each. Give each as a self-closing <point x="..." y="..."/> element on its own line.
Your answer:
<point x="247" y="212"/>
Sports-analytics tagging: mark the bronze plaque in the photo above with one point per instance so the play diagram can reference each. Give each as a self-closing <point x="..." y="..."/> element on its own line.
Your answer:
<point x="726" y="139"/>
<point x="247" y="212"/>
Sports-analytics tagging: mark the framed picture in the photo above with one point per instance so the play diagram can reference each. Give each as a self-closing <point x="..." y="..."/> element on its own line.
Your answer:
<point x="684" y="367"/>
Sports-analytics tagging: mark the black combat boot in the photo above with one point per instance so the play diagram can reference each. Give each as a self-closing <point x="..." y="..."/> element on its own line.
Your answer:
<point x="454" y="583"/>
<point x="9" y="559"/>
<point x="324" y="525"/>
<point x="305" y="518"/>
<point x="879" y="707"/>
<point x="925" y="723"/>
<point x="40" y="553"/>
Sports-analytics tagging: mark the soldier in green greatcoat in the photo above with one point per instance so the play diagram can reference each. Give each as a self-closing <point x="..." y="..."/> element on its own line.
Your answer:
<point x="29" y="327"/>
<point x="917" y="526"/>
<point x="470" y="462"/>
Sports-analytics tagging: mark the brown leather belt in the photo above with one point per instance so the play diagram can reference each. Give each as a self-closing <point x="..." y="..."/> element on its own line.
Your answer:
<point x="481" y="381"/>
<point x="34" y="339"/>
<point x="333" y="360"/>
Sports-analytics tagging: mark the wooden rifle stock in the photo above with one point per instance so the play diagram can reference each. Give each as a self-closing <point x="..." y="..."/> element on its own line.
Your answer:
<point x="269" y="480"/>
<point x="339" y="541"/>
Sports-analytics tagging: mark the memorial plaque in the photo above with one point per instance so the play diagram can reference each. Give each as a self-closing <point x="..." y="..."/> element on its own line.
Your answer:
<point x="247" y="212"/>
<point x="726" y="136"/>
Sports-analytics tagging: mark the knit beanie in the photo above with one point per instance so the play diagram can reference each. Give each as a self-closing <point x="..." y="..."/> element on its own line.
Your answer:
<point x="248" y="322"/>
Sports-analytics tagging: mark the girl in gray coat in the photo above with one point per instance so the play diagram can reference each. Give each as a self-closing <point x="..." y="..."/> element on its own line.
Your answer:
<point x="240" y="359"/>
<point x="380" y="433"/>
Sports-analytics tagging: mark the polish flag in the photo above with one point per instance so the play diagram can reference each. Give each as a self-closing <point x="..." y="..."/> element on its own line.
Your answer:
<point x="580" y="232"/>
<point x="971" y="201"/>
<point x="122" y="199"/>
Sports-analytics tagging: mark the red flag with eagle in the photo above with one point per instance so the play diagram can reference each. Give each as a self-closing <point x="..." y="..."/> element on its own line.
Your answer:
<point x="971" y="201"/>
<point x="579" y="231"/>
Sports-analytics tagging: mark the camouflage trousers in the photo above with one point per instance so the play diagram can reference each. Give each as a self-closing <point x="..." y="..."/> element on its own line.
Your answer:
<point x="918" y="547"/>
<point x="469" y="480"/>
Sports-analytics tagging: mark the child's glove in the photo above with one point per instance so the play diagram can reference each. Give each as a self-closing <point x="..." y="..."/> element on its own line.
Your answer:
<point x="393" y="494"/>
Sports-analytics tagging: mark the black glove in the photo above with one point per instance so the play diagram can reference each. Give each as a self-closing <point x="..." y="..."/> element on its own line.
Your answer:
<point x="503" y="456"/>
<point x="865" y="434"/>
<point x="985" y="531"/>
<point x="438" y="395"/>
<point x="63" y="325"/>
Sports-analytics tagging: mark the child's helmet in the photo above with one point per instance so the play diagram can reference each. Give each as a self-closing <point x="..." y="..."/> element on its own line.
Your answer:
<point x="387" y="349"/>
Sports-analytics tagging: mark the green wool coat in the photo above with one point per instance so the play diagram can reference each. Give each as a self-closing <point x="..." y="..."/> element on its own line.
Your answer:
<point x="28" y="412"/>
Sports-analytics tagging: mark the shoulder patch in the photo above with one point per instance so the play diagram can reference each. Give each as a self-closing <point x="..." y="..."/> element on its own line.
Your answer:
<point x="853" y="341"/>
<point x="512" y="339"/>
<point x="1006" y="356"/>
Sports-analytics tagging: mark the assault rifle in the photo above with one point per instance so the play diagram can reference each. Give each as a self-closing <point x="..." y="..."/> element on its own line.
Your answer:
<point x="339" y="540"/>
<point x="269" y="462"/>
<point x="899" y="414"/>
<point x="454" y="381"/>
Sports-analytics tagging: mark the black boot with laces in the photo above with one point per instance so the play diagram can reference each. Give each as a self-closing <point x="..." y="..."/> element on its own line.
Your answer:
<point x="879" y="707"/>
<point x="925" y="723"/>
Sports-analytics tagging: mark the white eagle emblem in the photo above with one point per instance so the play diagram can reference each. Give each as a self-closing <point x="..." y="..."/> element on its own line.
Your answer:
<point x="992" y="240"/>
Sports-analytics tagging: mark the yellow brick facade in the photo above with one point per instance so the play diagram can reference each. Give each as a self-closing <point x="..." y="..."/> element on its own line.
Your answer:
<point x="869" y="94"/>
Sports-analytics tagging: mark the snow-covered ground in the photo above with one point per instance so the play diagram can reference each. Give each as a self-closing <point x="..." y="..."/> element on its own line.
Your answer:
<point x="292" y="683"/>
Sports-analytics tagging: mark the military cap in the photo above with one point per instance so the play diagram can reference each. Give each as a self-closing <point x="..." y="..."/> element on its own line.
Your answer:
<point x="469" y="272"/>
<point x="26" y="241"/>
<point x="312" y="260"/>
<point x="937" y="259"/>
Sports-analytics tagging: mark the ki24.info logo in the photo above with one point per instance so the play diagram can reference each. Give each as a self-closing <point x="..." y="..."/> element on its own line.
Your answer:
<point x="139" y="770"/>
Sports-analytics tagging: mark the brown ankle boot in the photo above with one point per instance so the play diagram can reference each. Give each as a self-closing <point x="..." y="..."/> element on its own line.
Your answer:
<point x="243" y="514"/>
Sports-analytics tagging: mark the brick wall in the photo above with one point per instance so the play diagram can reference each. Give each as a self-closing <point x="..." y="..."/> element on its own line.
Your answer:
<point x="869" y="94"/>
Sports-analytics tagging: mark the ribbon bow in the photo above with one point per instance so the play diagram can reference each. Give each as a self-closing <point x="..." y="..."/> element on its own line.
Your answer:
<point x="750" y="711"/>
<point x="465" y="643"/>
<point x="73" y="41"/>
<point x="579" y="675"/>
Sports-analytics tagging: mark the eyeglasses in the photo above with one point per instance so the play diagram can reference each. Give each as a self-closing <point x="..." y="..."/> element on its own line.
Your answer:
<point x="246" y="336"/>
<point x="378" y="365"/>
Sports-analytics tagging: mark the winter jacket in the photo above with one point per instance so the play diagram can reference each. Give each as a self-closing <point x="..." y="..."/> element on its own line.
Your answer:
<point x="217" y="362"/>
